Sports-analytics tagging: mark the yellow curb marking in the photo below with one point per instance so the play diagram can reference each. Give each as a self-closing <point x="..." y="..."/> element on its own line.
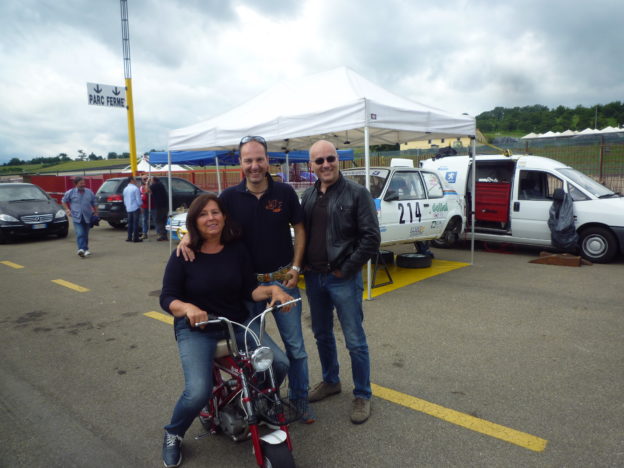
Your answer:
<point x="69" y="285"/>
<point x="158" y="316"/>
<point x="11" y="264"/>
<point x="491" y="429"/>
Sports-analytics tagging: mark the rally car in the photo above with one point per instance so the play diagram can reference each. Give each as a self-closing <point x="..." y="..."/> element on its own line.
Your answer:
<point x="412" y="204"/>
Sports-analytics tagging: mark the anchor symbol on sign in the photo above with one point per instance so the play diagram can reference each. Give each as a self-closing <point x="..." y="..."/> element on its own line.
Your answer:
<point x="97" y="89"/>
<point x="116" y="92"/>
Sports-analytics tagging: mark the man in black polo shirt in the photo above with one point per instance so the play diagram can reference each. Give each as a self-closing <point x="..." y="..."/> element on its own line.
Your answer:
<point x="265" y="210"/>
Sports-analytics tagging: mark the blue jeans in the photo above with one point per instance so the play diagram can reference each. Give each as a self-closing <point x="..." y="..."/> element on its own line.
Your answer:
<point x="82" y="234"/>
<point x="289" y="326"/>
<point x="145" y="220"/>
<point x="133" y="224"/>
<point x="326" y="292"/>
<point x="197" y="351"/>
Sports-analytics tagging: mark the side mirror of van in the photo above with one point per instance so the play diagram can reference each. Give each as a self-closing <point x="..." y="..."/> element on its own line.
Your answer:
<point x="391" y="195"/>
<point x="558" y="194"/>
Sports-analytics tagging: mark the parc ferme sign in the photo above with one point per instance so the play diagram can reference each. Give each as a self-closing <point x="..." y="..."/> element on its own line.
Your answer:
<point x="106" y="95"/>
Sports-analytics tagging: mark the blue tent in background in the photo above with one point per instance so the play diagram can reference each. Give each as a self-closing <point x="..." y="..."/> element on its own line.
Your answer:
<point x="230" y="158"/>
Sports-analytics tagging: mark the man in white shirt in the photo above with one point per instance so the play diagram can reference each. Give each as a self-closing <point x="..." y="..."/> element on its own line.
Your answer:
<point x="132" y="201"/>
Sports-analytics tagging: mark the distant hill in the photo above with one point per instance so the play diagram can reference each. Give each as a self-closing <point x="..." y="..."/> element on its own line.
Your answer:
<point x="540" y="119"/>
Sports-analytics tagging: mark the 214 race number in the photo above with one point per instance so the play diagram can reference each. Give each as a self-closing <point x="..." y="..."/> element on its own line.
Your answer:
<point x="406" y="211"/>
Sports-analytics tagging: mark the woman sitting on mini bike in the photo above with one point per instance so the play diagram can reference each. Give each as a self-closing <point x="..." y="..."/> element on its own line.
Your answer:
<point x="217" y="282"/>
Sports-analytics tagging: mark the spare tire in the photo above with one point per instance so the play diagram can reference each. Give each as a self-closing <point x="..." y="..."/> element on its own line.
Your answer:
<point x="413" y="260"/>
<point x="387" y="256"/>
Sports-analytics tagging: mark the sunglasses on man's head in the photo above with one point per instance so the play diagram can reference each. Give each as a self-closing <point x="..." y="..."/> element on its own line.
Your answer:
<point x="249" y="138"/>
<point x="329" y="159"/>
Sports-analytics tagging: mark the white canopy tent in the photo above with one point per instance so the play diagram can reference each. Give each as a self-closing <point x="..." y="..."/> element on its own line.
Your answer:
<point x="337" y="105"/>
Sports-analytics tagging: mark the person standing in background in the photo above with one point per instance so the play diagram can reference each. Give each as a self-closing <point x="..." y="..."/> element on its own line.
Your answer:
<point x="132" y="201"/>
<point x="79" y="204"/>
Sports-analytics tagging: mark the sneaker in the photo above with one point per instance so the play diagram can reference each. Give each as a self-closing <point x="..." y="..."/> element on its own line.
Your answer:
<point x="87" y="253"/>
<point x="303" y="408"/>
<point x="81" y="253"/>
<point x="172" y="450"/>
<point x="360" y="411"/>
<point x="323" y="390"/>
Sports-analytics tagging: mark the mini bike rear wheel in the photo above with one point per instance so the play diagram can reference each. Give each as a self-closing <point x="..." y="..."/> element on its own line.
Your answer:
<point x="277" y="456"/>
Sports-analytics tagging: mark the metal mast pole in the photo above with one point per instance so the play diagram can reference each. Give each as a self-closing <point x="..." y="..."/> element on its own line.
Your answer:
<point x="125" y="41"/>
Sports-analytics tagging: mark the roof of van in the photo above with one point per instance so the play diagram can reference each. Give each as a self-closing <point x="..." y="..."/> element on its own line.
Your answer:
<point x="522" y="160"/>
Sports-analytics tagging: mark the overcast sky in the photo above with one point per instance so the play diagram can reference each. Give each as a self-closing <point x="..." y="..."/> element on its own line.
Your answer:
<point x="194" y="59"/>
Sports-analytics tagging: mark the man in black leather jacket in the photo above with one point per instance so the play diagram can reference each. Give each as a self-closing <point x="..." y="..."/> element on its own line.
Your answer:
<point x="342" y="233"/>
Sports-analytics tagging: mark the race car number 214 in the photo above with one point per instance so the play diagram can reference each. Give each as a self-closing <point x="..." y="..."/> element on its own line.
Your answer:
<point x="405" y="211"/>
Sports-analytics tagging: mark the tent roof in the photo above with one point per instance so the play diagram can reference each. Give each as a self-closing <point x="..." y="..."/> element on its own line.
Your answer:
<point x="335" y="105"/>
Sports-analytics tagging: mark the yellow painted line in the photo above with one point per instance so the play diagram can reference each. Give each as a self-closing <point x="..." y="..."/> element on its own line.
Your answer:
<point x="11" y="264"/>
<point x="404" y="276"/>
<point x="69" y="285"/>
<point x="160" y="316"/>
<point x="491" y="429"/>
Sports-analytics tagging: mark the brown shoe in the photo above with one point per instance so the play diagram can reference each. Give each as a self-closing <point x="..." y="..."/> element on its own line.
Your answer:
<point x="323" y="390"/>
<point x="360" y="411"/>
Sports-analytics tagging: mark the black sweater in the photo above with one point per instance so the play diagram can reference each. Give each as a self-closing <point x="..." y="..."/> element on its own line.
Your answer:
<point x="217" y="283"/>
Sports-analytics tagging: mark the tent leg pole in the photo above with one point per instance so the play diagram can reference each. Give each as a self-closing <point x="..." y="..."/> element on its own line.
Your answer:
<point x="369" y="274"/>
<point x="473" y="199"/>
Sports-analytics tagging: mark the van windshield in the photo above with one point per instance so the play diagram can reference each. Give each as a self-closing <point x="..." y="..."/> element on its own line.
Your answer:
<point x="586" y="182"/>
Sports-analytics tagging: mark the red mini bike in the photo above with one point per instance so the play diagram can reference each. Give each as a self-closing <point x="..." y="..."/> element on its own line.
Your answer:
<point x="246" y="397"/>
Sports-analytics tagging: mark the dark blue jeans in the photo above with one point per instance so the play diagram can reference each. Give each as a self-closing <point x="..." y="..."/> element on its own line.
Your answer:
<point x="133" y="224"/>
<point x="197" y="350"/>
<point x="82" y="234"/>
<point x="326" y="292"/>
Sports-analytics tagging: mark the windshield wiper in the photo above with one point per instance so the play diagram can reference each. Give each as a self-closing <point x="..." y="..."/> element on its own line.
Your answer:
<point x="28" y="199"/>
<point x="609" y="195"/>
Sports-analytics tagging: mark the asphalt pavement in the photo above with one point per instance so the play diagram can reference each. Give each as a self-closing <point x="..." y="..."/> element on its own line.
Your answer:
<point x="502" y="363"/>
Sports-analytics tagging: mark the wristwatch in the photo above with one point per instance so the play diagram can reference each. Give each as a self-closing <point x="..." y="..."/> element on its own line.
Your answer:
<point x="296" y="268"/>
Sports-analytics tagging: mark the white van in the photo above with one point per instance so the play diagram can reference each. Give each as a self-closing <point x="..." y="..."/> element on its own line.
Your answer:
<point x="514" y="195"/>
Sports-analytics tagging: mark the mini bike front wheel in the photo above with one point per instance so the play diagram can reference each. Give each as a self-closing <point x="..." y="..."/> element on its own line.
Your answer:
<point x="277" y="456"/>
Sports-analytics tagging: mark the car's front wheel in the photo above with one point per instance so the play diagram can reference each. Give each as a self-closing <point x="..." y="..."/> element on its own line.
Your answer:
<point x="598" y="244"/>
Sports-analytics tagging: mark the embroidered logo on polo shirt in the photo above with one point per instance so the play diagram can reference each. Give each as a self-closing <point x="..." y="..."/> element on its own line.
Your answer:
<point x="274" y="205"/>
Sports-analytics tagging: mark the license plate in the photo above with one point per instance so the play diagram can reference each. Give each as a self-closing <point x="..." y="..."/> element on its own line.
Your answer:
<point x="101" y="207"/>
<point x="39" y="226"/>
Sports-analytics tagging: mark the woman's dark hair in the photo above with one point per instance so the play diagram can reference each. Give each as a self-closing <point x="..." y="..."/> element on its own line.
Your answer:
<point x="230" y="232"/>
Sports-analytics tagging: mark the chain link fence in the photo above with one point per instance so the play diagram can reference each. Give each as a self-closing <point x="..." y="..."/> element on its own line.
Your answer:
<point x="600" y="157"/>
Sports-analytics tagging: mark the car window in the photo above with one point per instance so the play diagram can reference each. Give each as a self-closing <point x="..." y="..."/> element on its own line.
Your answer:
<point x="377" y="179"/>
<point x="21" y="192"/>
<point x="407" y="185"/>
<point x="109" y="186"/>
<point x="537" y="185"/>
<point x="181" y="185"/>
<point x="576" y="194"/>
<point x="433" y="184"/>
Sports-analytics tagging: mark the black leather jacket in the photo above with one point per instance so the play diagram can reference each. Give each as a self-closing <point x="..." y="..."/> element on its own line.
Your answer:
<point x="352" y="226"/>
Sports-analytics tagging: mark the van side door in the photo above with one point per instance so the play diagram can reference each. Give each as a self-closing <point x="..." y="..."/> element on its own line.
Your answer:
<point x="533" y="197"/>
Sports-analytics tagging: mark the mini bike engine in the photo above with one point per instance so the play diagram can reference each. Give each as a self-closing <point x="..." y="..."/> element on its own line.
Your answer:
<point x="233" y="422"/>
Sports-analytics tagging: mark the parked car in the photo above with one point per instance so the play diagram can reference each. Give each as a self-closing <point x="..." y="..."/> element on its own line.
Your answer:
<point x="26" y="210"/>
<point x="413" y="204"/>
<point x="111" y="207"/>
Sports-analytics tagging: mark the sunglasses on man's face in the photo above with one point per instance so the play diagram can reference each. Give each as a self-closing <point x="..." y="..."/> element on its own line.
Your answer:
<point x="329" y="159"/>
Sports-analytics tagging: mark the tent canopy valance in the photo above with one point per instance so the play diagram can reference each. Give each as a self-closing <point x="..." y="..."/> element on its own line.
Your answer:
<point x="231" y="158"/>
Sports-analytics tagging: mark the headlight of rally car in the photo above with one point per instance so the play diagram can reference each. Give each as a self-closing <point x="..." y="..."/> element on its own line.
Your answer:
<point x="262" y="358"/>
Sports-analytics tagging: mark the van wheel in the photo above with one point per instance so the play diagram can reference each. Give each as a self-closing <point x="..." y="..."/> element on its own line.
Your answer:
<point x="598" y="244"/>
<point x="449" y="237"/>
<point x="117" y="225"/>
<point x="413" y="260"/>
